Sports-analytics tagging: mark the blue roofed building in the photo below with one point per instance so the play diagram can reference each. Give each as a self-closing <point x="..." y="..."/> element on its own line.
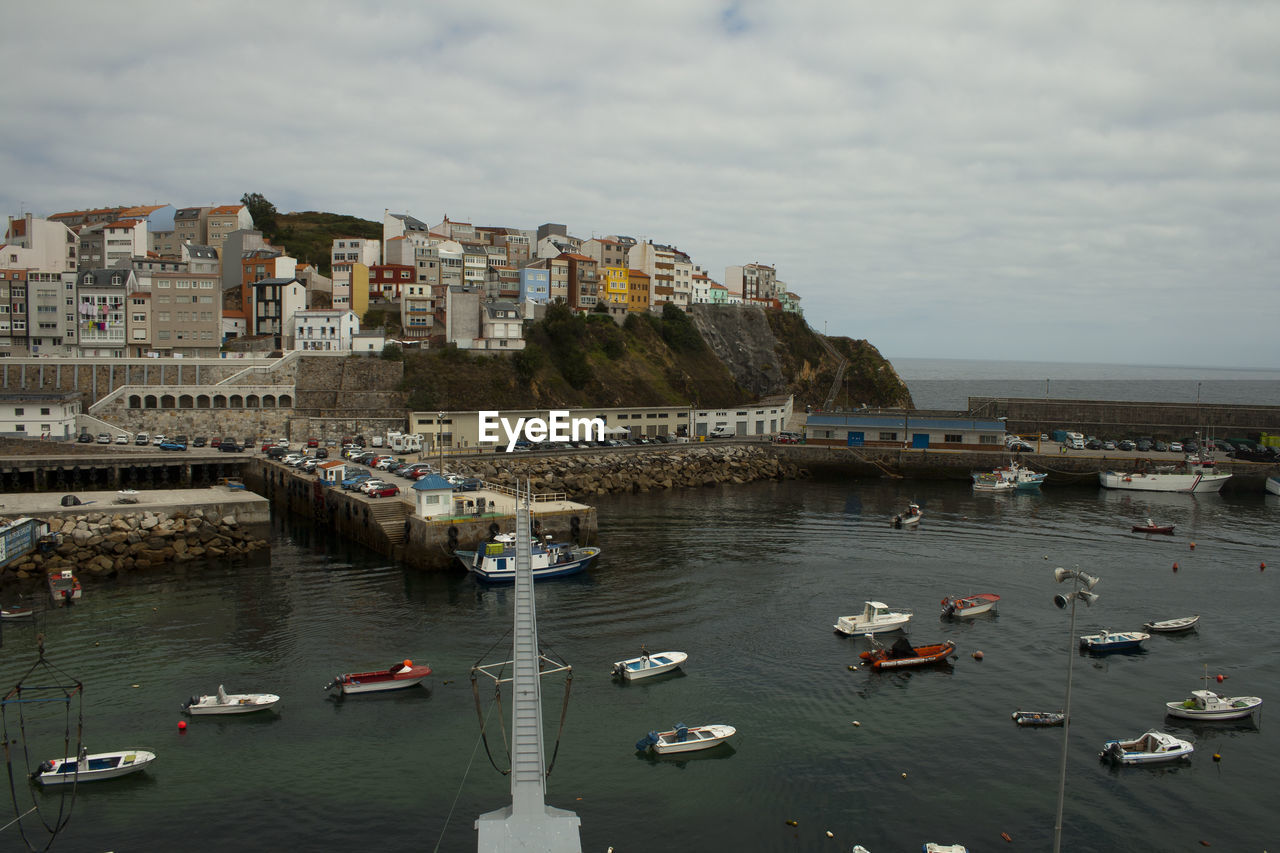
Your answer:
<point x="900" y="428"/>
<point x="431" y="496"/>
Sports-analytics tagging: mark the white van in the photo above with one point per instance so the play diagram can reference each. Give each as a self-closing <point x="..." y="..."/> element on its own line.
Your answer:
<point x="720" y="431"/>
<point x="1073" y="441"/>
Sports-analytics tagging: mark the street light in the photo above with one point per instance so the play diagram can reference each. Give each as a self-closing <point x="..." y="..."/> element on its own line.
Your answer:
<point x="1088" y="581"/>
<point x="440" y="439"/>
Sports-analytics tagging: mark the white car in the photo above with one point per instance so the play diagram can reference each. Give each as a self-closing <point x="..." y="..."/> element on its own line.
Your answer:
<point x="371" y="484"/>
<point x="122" y="439"/>
<point x="1175" y="447"/>
<point x="292" y="458"/>
<point x="158" y="440"/>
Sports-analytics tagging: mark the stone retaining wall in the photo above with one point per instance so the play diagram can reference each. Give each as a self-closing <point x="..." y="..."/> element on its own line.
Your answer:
<point x="106" y="544"/>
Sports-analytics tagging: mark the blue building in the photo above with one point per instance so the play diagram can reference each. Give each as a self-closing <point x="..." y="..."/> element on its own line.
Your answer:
<point x="888" y="428"/>
<point x="535" y="285"/>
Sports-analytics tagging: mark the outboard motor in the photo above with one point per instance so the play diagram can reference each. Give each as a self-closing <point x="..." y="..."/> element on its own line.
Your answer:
<point x="651" y="739"/>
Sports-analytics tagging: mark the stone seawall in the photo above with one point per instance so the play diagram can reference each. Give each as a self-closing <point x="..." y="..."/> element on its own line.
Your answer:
<point x="106" y="544"/>
<point x="605" y="472"/>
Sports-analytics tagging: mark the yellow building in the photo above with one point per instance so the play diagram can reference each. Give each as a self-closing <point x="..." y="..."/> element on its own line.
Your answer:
<point x="637" y="291"/>
<point x="616" y="284"/>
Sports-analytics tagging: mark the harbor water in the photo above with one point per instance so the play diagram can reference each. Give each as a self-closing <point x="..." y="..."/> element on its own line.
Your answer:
<point x="748" y="580"/>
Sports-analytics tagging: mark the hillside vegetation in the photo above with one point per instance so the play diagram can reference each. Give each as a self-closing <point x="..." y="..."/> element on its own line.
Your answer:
<point x="309" y="236"/>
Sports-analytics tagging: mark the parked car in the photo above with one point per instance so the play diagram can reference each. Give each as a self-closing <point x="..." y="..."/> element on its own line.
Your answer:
<point x="468" y="485"/>
<point x="1175" y="447"/>
<point x="1159" y="446"/>
<point x="173" y="445"/>
<point x="321" y="453"/>
<point x="158" y="440"/>
<point x="1093" y="444"/>
<point x="1125" y="444"/>
<point x="1020" y="446"/>
<point x="354" y="482"/>
<point x="313" y="442"/>
<point x="309" y="464"/>
<point x="387" y="491"/>
<point x="84" y="438"/>
<point x="104" y="438"/>
<point x="1144" y="445"/>
<point x="1108" y="445"/>
<point x="275" y="452"/>
<point x="371" y="484"/>
<point x="229" y="447"/>
<point x="199" y="441"/>
<point x="122" y="438"/>
<point x="787" y="438"/>
<point x="141" y="439"/>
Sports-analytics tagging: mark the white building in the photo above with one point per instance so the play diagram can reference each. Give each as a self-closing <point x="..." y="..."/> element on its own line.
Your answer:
<point x="501" y="327"/>
<point x="31" y="414"/>
<point x="348" y="250"/>
<point x="369" y="340"/>
<point x="34" y="243"/>
<point x="324" y="331"/>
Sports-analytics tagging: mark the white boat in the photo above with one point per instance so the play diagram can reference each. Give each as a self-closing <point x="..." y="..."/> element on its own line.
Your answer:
<point x="1149" y="748"/>
<point x="686" y="738"/>
<point x="876" y="618"/>
<point x="964" y="606"/>
<point x="1207" y="705"/>
<point x="64" y="587"/>
<point x="1273" y="485"/>
<point x="909" y="517"/>
<point x="127" y="496"/>
<point x="1009" y="479"/>
<point x="496" y="561"/>
<point x="931" y="847"/>
<point x="1113" y="641"/>
<point x="397" y="677"/>
<point x="223" y="702"/>
<point x="1172" y="626"/>
<point x="1197" y="475"/>
<point x="648" y="664"/>
<point x="91" y="768"/>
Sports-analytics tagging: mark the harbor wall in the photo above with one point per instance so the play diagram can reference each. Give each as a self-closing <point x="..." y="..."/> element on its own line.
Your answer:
<point x="1120" y="419"/>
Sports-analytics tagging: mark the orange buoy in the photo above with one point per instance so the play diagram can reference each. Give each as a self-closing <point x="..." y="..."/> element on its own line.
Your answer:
<point x="408" y="663"/>
<point x="1193" y="546"/>
<point x="1262" y="565"/>
<point x="182" y="725"/>
<point x="1175" y="567"/>
<point x="1221" y="678"/>
<point x="977" y="655"/>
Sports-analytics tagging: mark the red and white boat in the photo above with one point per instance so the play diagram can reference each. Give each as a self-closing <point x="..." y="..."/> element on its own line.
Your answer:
<point x="64" y="587"/>
<point x="1152" y="527"/>
<point x="401" y="675"/>
<point x="964" y="606"/>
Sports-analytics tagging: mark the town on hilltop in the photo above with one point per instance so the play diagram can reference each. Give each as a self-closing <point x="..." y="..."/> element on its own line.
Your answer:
<point x="157" y="281"/>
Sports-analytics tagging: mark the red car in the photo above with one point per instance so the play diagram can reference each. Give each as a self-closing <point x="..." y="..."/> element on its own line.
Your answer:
<point x="313" y="442"/>
<point x="387" y="491"/>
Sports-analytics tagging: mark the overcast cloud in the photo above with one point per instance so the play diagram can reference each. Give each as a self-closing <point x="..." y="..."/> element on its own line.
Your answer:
<point x="1061" y="181"/>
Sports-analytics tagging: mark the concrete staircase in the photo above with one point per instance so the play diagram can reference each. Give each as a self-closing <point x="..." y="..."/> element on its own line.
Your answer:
<point x="390" y="513"/>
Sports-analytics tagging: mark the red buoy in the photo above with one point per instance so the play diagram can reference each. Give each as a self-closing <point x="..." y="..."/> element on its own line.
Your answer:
<point x="977" y="655"/>
<point x="182" y="725"/>
<point x="1193" y="546"/>
<point x="1175" y="567"/>
<point x="1221" y="678"/>
<point x="1262" y="565"/>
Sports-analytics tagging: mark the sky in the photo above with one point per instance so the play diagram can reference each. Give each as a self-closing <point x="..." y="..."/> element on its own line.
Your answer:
<point x="1051" y="181"/>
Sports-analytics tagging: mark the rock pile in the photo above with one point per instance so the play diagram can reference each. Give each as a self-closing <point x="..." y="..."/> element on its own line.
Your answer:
<point x="104" y="544"/>
<point x="628" y="471"/>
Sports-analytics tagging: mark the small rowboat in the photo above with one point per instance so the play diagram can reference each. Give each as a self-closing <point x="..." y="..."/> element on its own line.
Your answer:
<point x="1039" y="718"/>
<point x="965" y="606"/>
<point x="902" y="654"/>
<point x="686" y="738"/>
<point x="397" y="677"/>
<point x="1149" y="748"/>
<point x="1170" y="626"/>
<point x="1152" y="527"/>
<point x="16" y="612"/>
<point x="90" y="768"/>
<point x="649" y="664"/>
<point x="1113" y="641"/>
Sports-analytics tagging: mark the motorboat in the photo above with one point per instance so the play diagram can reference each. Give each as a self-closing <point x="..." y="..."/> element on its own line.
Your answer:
<point x="1207" y="705"/>
<point x="1152" y="527"/>
<point x="64" y="587"/>
<point x="397" y="677"/>
<point x="648" y="664"/>
<point x="127" y="496"/>
<point x="1113" y="641"/>
<point x="1197" y="475"/>
<point x="1172" y="626"/>
<point x="686" y="738"/>
<point x="496" y="561"/>
<point x="932" y="847"/>
<point x="876" y="618"/>
<point x="16" y="612"/>
<point x="91" y="768"/>
<point x="1273" y="485"/>
<point x="223" y="702"/>
<point x="1039" y="718"/>
<point x="910" y="517"/>
<point x="1149" y="748"/>
<point x="902" y="654"/>
<point x="1011" y="478"/>
<point x="964" y="606"/>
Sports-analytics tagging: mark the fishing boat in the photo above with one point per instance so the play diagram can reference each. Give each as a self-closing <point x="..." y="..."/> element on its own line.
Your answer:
<point x="1207" y="705"/>
<point x="1039" y="718"/>
<point x="902" y="654"/>
<point x="397" y="677"/>
<point x="1152" y="527"/>
<point x="496" y="561"/>
<point x="933" y="847"/>
<point x="1113" y="641"/>
<point x="223" y="702"/>
<point x="1010" y="478"/>
<point x="64" y="587"/>
<point x="1172" y="626"/>
<point x="648" y="664"/>
<point x="1273" y="485"/>
<point x="965" y="606"/>
<point x="1197" y="475"/>
<point x="16" y="612"/>
<point x="127" y="496"/>
<point x="876" y="618"/>
<point x="91" y="768"/>
<point x="686" y="738"/>
<point x="910" y="517"/>
<point x="1149" y="748"/>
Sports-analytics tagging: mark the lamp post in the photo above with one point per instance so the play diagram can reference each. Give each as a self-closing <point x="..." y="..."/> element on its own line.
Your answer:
<point x="440" y="439"/>
<point x="1088" y="582"/>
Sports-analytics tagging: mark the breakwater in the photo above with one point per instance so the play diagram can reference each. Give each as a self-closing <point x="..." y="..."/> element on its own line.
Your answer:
<point x="106" y="544"/>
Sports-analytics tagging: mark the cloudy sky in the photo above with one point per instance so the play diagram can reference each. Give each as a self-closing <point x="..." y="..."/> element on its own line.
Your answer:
<point x="1053" y="181"/>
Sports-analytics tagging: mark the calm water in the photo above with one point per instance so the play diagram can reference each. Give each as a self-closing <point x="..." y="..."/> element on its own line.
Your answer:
<point x="948" y="383"/>
<point x="748" y="580"/>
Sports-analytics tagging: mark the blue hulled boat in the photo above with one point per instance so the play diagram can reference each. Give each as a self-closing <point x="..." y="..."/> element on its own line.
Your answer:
<point x="496" y="561"/>
<point x="1113" y="641"/>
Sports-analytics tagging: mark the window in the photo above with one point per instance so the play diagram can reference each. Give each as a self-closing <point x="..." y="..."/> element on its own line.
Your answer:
<point x="17" y="413"/>
<point x="953" y="438"/>
<point x="988" y="439"/>
<point x="45" y="411"/>
<point x="888" y="436"/>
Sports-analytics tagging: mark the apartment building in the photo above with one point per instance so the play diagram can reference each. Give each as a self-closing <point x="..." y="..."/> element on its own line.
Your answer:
<point x="584" y="282"/>
<point x="659" y="262"/>
<point x="223" y="221"/>
<point x="323" y="331"/>
<point x="31" y="242"/>
<point x="355" y="250"/>
<point x="101" y="297"/>
<point x="110" y="244"/>
<point x="273" y="304"/>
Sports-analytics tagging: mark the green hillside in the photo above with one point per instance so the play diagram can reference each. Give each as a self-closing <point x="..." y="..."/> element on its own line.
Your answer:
<point x="309" y="236"/>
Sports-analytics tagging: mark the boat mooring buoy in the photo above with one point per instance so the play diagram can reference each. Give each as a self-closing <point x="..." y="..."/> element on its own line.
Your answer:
<point x="182" y="725"/>
<point x="904" y="775"/>
<point x="977" y="655"/>
<point x="793" y="823"/>
<point x="830" y="834"/>
<point x="1217" y="756"/>
<point x="1175" y="567"/>
<point x="856" y="723"/>
<point x="1262" y="566"/>
<point x="1221" y="678"/>
<point x="1193" y="546"/>
<point x="1006" y="837"/>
